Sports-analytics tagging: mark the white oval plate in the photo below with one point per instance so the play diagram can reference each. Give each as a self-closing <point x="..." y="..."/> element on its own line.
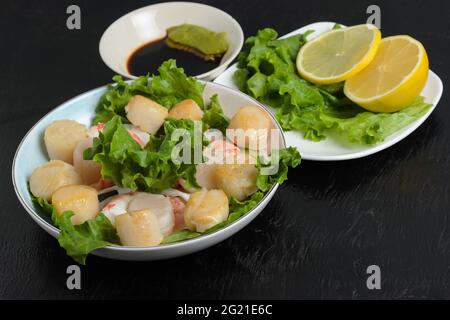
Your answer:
<point x="331" y="149"/>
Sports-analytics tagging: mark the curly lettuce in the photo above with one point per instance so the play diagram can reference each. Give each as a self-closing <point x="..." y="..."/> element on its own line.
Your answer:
<point x="287" y="158"/>
<point x="213" y="116"/>
<point x="169" y="87"/>
<point x="267" y="72"/>
<point x="80" y="240"/>
<point x="150" y="169"/>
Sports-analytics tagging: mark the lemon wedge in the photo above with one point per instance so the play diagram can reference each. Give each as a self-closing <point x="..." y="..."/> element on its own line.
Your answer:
<point x="393" y="79"/>
<point x="338" y="54"/>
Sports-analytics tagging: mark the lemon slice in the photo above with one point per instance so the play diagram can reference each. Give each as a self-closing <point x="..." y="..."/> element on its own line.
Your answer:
<point x="338" y="54"/>
<point x="393" y="79"/>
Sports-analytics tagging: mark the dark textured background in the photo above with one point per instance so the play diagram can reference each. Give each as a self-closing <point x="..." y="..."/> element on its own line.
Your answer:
<point x="323" y="227"/>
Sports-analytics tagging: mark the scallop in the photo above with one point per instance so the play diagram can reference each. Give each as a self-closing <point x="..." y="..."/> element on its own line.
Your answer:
<point x="205" y="175"/>
<point x="80" y="199"/>
<point x="186" y="109"/>
<point x="146" y="114"/>
<point x="237" y="179"/>
<point x="159" y="205"/>
<point x="89" y="170"/>
<point x="217" y="152"/>
<point x="50" y="176"/>
<point x="139" y="228"/>
<point x="61" y="137"/>
<point x="255" y="125"/>
<point x="205" y="209"/>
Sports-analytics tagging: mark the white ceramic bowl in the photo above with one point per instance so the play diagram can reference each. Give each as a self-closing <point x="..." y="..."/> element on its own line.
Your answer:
<point x="31" y="153"/>
<point x="150" y="23"/>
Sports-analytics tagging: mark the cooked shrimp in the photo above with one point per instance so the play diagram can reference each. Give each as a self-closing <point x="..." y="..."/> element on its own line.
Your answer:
<point x="159" y="205"/>
<point x="220" y="151"/>
<point x="94" y="130"/>
<point x="116" y="206"/>
<point x="138" y="135"/>
<point x="176" y="193"/>
<point x="178" y="200"/>
<point x="178" y="210"/>
<point x="102" y="184"/>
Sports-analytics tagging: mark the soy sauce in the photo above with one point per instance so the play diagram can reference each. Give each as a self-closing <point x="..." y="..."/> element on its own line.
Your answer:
<point x="147" y="59"/>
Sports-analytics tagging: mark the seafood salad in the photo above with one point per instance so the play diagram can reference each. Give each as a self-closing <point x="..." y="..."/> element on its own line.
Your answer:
<point x="158" y="165"/>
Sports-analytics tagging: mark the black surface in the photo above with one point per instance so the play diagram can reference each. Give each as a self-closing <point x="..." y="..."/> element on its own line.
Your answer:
<point x="322" y="229"/>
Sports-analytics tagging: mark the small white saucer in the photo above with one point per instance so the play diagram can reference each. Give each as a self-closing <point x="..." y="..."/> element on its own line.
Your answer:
<point x="150" y="23"/>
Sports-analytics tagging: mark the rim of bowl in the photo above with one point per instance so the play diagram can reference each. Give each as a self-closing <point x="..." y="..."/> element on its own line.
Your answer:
<point x="202" y="238"/>
<point x="200" y="76"/>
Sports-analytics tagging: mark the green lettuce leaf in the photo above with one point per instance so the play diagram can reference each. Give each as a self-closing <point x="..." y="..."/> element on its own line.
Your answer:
<point x="214" y="117"/>
<point x="169" y="87"/>
<point x="80" y="240"/>
<point x="289" y="157"/>
<point x="115" y="99"/>
<point x="370" y="128"/>
<point x="151" y="169"/>
<point x="172" y="86"/>
<point x="180" y="236"/>
<point x="45" y="205"/>
<point x="267" y="72"/>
